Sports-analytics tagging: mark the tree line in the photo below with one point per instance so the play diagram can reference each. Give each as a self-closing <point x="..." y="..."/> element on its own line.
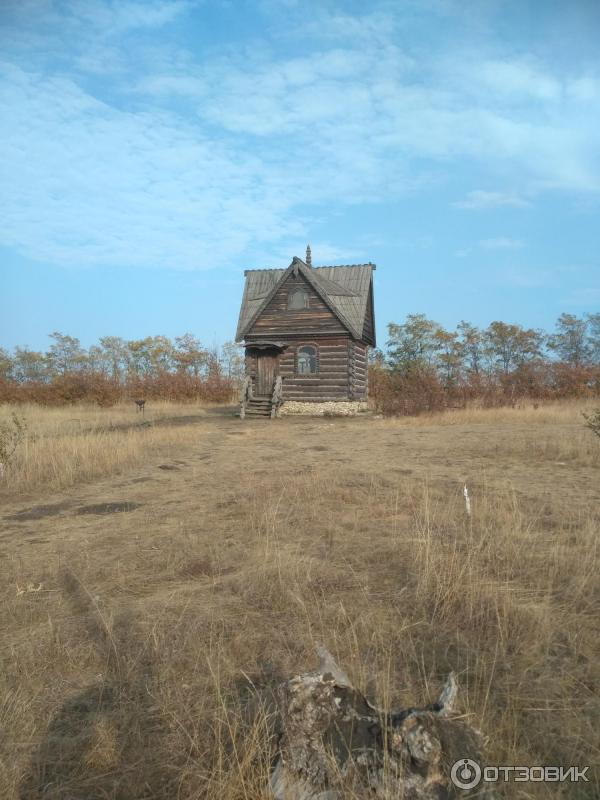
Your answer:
<point x="425" y="367"/>
<point x="116" y="369"/>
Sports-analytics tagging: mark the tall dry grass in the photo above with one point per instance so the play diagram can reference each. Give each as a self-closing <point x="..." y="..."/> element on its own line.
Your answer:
<point x="534" y="433"/>
<point x="145" y="665"/>
<point x="559" y="412"/>
<point x="87" y="417"/>
<point x="67" y="445"/>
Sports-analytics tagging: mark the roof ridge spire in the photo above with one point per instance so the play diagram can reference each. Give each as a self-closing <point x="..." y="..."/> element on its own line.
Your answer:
<point x="308" y="261"/>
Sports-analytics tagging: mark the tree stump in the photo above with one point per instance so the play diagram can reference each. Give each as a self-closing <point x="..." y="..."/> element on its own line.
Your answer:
<point x="335" y="744"/>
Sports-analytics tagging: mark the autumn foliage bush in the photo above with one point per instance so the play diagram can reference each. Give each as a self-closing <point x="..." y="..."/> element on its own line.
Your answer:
<point x="413" y="392"/>
<point x="422" y="390"/>
<point x="115" y="370"/>
<point x="104" y="391"/>
<point x="427" y="368"/>
<point x="181" y="387"/>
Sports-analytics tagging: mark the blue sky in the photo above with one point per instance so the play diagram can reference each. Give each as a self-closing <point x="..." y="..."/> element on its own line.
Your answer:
<point x="151" y="151"/>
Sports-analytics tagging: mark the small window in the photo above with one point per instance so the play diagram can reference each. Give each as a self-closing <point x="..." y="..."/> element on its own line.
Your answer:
<point x="297" y="299"/>
<point x="307" y="360"/>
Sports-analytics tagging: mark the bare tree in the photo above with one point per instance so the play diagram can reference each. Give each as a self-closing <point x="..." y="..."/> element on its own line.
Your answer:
<point x="65" y="354"/>
<point x="30" y="365"/>
<point x="6" y="364"/>
<point x="570" y="340"/>
<point x="232" y="359"/>
<point x="472" y="346"/>
<point x="189" y="355"/>
<point x="509" y="346"/>
<point x="593" y="322"/>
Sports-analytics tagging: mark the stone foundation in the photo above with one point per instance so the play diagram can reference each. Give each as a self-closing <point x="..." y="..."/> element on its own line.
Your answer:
<point x="337" y="408"/>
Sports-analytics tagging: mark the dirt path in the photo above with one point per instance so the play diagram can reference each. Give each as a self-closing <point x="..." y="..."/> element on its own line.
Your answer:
<point x="200" y="480"/>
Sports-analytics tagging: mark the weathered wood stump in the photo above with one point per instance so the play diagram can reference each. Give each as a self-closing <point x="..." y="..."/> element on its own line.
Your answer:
<point x="335" y="744"/>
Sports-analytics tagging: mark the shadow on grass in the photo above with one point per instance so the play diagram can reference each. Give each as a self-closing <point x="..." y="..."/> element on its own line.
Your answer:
<point x="105" y="740"/>
<point x="112" y="740"/>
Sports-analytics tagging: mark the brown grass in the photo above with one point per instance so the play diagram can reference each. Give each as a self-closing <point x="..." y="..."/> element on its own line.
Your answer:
<point x="525" y="413"/>
<point x="67" y="445"/>
<point x="143" y="665"/>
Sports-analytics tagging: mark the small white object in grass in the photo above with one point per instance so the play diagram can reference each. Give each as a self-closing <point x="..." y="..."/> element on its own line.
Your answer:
<point x="29" y="589"/>
<point x="467" y="500"/>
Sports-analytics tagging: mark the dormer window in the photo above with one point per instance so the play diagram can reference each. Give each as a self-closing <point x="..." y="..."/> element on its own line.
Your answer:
<point x="297" y="299"/>
<point x="307" y="360"/>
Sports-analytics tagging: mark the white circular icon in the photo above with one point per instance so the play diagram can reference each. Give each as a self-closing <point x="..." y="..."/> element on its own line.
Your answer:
<point x="465" y="773"/>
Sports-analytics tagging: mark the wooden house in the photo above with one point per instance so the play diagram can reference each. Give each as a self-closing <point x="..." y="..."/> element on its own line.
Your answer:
<point x="306" y="331"/>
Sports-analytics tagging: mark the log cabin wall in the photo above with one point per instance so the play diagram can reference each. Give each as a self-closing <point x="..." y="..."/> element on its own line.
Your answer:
<point x="278" y="321"/>
<point x="341" y="364"/>
<point x="331" y="381"/>
<point x="341" y="359"/>
<point x="358" y="374"/>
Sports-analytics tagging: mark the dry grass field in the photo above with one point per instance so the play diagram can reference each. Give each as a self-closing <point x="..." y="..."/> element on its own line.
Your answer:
<point x="159" y="577"/>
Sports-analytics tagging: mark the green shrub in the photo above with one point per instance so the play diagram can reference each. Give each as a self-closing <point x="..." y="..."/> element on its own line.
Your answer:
<point x="592" y="421"/>
<point x="12" y="434"/>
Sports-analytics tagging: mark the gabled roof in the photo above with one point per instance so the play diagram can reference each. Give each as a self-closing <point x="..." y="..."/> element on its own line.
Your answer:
<point x="344" y="288"/>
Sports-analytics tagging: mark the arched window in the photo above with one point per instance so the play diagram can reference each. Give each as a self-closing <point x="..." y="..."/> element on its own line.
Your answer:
<point x="297" y="299"/>
<point x="307" y="360"/>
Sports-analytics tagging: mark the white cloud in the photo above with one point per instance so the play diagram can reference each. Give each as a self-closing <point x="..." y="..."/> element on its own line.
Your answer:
<point x="518" y="78"/>
<point x="323" y="253"/>
<point x="585" y="89"/>
<point x="121" y="153"/>
<point x="587" y="297"/>
<point x="479" y="198"/>
<point x="171" y="85"/>
<point x="528" y="278"/>
<point x="94" y="185"/>
<point x="501" y="243"/>
<point x="117" y="17"/>
<point x="369" y="101"/>
<point x="549" y="277"/>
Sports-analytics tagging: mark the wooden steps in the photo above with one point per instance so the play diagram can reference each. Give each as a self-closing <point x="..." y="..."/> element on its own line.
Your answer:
<point x="259" y="407"/>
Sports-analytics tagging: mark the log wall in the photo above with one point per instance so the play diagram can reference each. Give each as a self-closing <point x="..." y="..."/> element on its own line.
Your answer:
<point x="342" y="369"/>
<point x="276" y="321"/>
<point x="357" y="371"/>
<point x="331" y="380"/>
<point x="342" y="361"/>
